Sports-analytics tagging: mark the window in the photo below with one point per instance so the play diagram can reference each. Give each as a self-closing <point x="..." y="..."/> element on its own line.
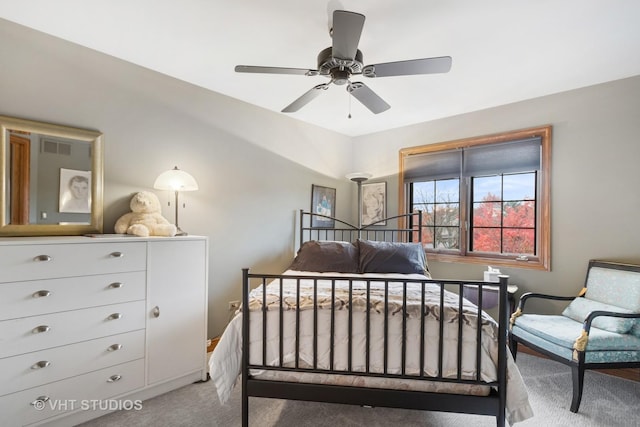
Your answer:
<point x="484" y="200"/>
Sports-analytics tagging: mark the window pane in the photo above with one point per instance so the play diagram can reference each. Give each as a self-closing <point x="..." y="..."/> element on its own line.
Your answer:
<point x="486" y="240"/>
<point x="487" y="214"/>
<point x="519" y="214"/>
<point x="521" y="186"/>
<point x="427" y="237"/>
<point x="423" y="192"/>
<point x="448" y="190"/>
<point x="447" y="237"/>
<point x="487" y="188"/>
<point x="519" y="241"/>
<point x="448" y="214"/>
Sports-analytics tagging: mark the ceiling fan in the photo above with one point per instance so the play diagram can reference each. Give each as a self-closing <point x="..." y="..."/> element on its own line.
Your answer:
<point x="343" y="60"/>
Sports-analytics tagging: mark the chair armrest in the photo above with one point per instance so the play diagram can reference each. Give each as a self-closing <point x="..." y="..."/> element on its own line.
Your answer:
<point x="524" y="297"/>
<point x="580" y="345"/>
<point x="586" y="326"/>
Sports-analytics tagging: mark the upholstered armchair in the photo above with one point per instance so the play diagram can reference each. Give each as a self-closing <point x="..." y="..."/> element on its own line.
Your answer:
<point x="599" y="329"/>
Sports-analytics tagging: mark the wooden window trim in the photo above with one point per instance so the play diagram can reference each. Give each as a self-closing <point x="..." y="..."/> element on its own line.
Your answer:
<point x="543" y="260"/>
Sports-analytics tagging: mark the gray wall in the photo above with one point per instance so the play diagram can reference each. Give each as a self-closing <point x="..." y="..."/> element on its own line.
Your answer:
<point x="255" y="168"/>
<point x="594" y="175"/>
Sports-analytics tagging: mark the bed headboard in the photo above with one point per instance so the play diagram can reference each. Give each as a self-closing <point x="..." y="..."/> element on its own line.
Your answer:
<point x="399" y="228"/>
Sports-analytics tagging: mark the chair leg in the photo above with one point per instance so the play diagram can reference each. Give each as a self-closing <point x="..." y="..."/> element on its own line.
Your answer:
<point x="577" y="374"/>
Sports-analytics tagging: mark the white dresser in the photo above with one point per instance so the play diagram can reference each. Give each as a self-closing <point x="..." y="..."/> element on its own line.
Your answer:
<point x="92" y="325"/>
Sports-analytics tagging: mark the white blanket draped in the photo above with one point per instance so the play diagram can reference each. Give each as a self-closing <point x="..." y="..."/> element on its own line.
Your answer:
<point x="225" y="364"/>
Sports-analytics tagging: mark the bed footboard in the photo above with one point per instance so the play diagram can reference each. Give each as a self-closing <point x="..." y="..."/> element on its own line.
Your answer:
<point x="385" y="330"/>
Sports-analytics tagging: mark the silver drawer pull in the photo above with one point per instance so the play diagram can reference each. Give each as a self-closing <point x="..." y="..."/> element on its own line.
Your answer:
<point x="114" y="347"/>
<point x="39" y="402"/>
<point x="40" y="294"/>
<point x="43" y="258"/>
<point x="116" y="285"/>
<point x="116" y="255"/>
<point x="41" y="364"/>
<point x="40" y="329"/>
<point x="114" y="378"/>
<point x="156" y="311"/>
<point x="115" y="316"/>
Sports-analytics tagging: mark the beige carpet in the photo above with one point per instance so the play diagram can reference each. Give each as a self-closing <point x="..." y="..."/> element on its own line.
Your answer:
<point x="607" y="401"/>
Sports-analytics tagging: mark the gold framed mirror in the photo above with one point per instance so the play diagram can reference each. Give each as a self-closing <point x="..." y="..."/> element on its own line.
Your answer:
<point x="51" y="179"/>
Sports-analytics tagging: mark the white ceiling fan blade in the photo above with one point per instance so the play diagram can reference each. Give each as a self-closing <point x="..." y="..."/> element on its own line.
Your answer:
<point x="440" y="64"/>
<point x="307" y="97"/>
<point x="274" y="70"/>
<point x="367" y="97"/>
<point x="347" y="29"/>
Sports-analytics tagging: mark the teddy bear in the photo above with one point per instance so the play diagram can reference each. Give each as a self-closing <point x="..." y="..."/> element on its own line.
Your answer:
<point x="146" y="219"/>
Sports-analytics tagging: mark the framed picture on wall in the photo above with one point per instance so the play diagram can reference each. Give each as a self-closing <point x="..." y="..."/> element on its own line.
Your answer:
<point x="75" y="191"/>
<point x="374" y="203"/>
<point x="323" y="202"/>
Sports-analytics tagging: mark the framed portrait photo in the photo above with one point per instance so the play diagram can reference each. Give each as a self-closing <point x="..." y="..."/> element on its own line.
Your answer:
<point x="323" y="202"/>
<point x="374" y="203"/>
<point x="75" y="191"/>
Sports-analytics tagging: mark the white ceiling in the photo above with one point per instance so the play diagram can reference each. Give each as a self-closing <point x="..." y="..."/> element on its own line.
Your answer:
<point x="503" y="50"/>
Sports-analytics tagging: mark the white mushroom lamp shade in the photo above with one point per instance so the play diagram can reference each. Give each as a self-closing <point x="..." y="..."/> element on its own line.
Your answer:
<point x="175" y="180"/>
<point x="358" y="176"/>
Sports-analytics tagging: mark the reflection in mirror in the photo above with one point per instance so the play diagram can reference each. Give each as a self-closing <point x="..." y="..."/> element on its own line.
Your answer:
<point x="51" y="179"/>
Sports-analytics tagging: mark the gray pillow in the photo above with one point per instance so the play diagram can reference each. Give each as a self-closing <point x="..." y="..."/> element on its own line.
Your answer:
<point x="390" y="257"/>
<point x="322" y="256"/>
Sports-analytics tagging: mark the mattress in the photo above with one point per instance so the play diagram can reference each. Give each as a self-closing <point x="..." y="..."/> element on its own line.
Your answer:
<point x="401" y="304"/>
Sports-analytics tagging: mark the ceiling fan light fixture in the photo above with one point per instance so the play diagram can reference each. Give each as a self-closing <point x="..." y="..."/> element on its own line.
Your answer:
<point x="340" y="77"/>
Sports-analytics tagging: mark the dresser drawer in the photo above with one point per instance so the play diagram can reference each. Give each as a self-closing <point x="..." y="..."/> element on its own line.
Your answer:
<point x="23" y="299"/>
<point x="30" y="334"/>
<point x="77" y="393"/>
<point x="46" y="261"/>
<point x="54" y="364"/>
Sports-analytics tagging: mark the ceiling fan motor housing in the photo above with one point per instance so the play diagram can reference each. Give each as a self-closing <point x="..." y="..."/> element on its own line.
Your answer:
<point x="338" y="69"/>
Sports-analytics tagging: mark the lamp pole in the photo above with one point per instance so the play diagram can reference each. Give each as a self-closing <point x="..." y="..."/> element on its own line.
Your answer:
<point x="179" y="231"/>
<point x="359" y="178"/>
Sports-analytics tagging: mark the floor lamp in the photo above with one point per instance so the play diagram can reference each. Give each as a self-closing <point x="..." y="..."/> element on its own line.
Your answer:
<point x="359" y="178"/>
<point x="176" y="180"/>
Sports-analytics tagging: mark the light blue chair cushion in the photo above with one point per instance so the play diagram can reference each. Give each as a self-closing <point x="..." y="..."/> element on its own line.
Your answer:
<point x="616" y="287"/>
<point x="557" y="334"/>
<point x="580" y="308"/>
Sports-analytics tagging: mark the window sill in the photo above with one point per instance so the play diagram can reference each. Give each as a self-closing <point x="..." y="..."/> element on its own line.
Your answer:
<point x="531" y="264"/>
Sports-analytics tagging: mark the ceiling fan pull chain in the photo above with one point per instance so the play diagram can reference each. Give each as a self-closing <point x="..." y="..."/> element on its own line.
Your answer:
<point x="349" y="116"/>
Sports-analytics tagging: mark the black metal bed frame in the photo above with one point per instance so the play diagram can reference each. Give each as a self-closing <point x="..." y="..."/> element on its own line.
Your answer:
<point x="399" y="228"/>
<point x="492" y="404"/>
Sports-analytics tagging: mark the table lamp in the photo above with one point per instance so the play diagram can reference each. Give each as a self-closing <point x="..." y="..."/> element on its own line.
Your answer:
<point x="176" y="180"/>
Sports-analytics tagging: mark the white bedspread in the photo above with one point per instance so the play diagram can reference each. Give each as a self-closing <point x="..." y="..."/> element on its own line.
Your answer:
<point x="225" y="364"/>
